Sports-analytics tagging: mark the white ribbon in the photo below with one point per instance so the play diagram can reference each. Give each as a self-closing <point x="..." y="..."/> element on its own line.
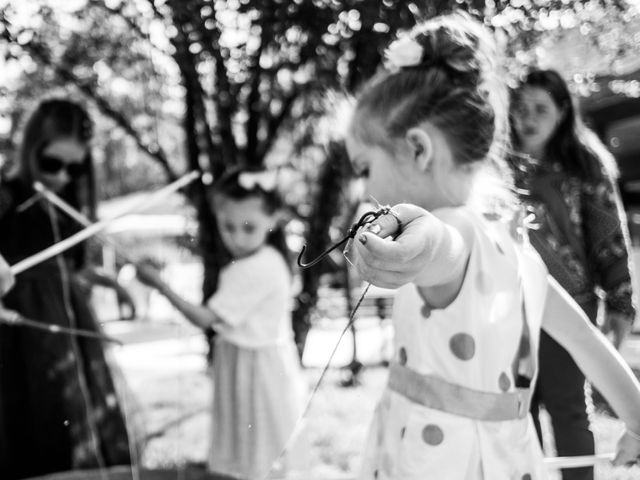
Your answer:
<point x="578" y="461"/>
<point x="78" y="217"/>
<point x="94" y="228"/>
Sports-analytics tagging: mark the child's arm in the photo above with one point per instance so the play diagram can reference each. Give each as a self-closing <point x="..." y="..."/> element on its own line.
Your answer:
<point x="601" y="363"/>
<point x="98" y="276"/>
<point x="430" y="251"/>
<point x="199" y="315"/>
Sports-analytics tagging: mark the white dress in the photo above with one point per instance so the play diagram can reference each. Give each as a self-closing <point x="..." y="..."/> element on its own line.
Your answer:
<point x="259" y="389"/>
<point x="473" y="343"/>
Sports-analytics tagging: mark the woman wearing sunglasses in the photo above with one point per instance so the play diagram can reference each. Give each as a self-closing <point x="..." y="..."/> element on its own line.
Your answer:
<point x="59" y="409"/>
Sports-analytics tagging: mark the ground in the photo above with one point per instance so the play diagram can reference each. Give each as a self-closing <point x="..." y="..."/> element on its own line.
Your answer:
<point x="165" y="369"/>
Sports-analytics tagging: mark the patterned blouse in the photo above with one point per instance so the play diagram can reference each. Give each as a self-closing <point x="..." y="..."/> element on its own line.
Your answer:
<point x="580" y="231"/>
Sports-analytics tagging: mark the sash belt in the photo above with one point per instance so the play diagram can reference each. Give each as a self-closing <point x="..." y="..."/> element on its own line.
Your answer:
<point x="434" y="392"/>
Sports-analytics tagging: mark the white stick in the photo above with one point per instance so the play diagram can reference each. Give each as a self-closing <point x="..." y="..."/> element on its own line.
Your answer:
<point x="76" y="215"/>
<point x="578" y="461"/>
<point x="98" y="226"/>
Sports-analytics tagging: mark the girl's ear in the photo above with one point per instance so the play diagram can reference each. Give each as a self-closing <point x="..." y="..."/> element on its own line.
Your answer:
<point x="421" y="147"/>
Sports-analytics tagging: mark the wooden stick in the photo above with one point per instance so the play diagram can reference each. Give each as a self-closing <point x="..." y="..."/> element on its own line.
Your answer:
<point x="10" y="317"/>
<point x="578" y="461"/>
<point x="101" y="225"/>
<point x="78" y="217"/>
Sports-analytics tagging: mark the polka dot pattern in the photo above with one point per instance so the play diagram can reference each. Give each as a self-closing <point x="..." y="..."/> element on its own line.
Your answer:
<point x="463" y="346"/>
<point x="432" y="435"/>
<point x="402" y="356"/>
<point x="403" y="430"/>
<point x="526" y="476"/>
<point x="503" y="382"/>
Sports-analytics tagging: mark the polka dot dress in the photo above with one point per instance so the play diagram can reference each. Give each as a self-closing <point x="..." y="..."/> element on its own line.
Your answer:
<point x="474" y="342"/>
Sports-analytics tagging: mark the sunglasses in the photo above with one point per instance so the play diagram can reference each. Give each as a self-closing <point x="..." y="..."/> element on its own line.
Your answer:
<point x="53" y="165"/>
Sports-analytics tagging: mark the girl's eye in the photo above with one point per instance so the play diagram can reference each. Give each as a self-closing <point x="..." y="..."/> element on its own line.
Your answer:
<point x="229" y="227"/>
<point x="248" y="228"/>
<point x="361" y="170"/>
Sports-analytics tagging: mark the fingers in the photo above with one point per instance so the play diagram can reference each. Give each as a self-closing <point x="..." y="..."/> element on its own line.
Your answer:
<point x="391" y="263"/>
<point x="624" y="459"/>
<point x="385" y="225"/>
<point x="392" y="222"/>
<point x="8" y="316"/>
<point x="6" y="284"/>
<point x="390" y="255"/>
<point x="7" y="279"/>
<point x="628" y="450"/>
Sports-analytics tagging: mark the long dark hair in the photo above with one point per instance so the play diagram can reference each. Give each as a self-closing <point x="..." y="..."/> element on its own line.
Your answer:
<point x="229" y="186"/>
<point x="576" y="147"/>
<point x="52" y="120"/>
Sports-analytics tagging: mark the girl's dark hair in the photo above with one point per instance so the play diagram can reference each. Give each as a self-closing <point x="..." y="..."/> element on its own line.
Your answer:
<point x="53" y="120"/>
<point x="455" y="85"/>
<point x="230" y="186"/>
<point x="577" y="148"/>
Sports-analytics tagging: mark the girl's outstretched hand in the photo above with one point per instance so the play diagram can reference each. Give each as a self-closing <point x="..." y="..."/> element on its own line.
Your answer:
<point x="628" y="449"/>
<point x="391" y="264"/>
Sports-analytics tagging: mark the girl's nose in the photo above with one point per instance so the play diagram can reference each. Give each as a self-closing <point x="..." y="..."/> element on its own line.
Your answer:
<point x="63" y="176"/>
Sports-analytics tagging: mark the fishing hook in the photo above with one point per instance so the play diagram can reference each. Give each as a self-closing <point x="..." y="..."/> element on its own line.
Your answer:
<point x="366" y="218"/>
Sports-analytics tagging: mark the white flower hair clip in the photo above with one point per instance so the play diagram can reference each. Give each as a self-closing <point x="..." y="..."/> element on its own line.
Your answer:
<point x="403" y="52"/>
<point x="265" y="179"/>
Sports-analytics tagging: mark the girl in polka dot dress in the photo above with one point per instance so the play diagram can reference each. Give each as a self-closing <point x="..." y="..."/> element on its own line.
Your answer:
<point x="472" y="297"/>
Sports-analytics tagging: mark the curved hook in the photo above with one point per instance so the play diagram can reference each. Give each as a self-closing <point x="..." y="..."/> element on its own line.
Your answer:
<point x="320" y="257"/>
<point x="367" y="217"/>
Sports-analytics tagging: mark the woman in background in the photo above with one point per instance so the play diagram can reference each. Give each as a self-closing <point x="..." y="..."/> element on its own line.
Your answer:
<point x="58" y="404"/>
<point x="568" y="180"/>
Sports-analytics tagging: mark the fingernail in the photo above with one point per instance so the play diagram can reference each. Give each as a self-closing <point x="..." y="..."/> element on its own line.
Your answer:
<point x="362" y="239"/>
<point x="374" y="228"/>
<point x="347" y="247"/>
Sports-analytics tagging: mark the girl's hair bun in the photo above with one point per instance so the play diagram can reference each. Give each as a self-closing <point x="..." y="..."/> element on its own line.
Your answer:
<point x="455" y="47"/>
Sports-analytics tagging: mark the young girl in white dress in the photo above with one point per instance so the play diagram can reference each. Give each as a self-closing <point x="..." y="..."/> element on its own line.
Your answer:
<point x="259" y="390"/>
<point x="427" y="133"/>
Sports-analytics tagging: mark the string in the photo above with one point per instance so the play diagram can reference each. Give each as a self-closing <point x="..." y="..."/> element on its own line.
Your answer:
<point x="82" y="235"/>
<point x="125" y="394"/>
<point x="66" y="299"/>
<point x="14" y="318"/>
<point x="316" y="387"/>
